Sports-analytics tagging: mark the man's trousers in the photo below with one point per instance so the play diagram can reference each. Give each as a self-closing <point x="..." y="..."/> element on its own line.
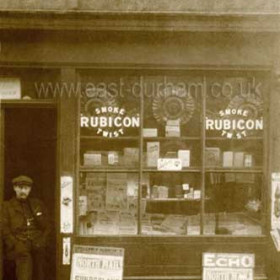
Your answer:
<point x="30" y="261"/>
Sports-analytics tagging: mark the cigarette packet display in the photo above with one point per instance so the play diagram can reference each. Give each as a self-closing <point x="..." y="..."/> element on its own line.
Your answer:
<point x="212" y="156"/>
<point x="116" y="191"/>
<point x="127" y="223"/>
<point x="95" y="188"/>
<point x="248" y="160"/>
<point x="150" y="132"/>
<point x="175" y="223"/>
<point x="113" y="158"/>
<point x="131" y="156"/>
<point x="184" y="155"/>
<point x="228" y="159"/>
<point x="172" y="131"/>
<point x="238" y="159"/>
<point x="193" y="227"/>
<point x="197" y="194"/>
<point x="162" y="192"/>
<point x="107" y="223"/>
<point x="92" y="158"/>
<point x="153" y="152"/>
<point x="82" y="205"/>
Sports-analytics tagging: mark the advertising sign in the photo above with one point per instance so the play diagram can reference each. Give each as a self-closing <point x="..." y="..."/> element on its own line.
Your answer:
<point x="219" y="266"/>
<point x="109" y="121"/>
<point x="10" y="88"/>
<point x="275" y="201"/>
<point x="275" y="209"/>
<point x="234" y="123"/>
<point x="97" y="263"/>
<point x="66" y="204"/>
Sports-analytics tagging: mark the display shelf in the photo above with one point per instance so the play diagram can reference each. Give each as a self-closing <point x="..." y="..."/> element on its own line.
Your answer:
<point x="162" y="138"/>
<point x="190" y="170"/>
<point x="170" y="200"/>
<point x="219" y="138"/>
<point x="109" y="169"/>
<point x="235" y="170"/>
<point x="203" y="154"/>
<point x="88" y="137"/>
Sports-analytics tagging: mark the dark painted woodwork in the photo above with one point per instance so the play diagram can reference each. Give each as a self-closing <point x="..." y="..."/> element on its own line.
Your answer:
<point x="67" y="155"/>
<point x="140" y="21"/>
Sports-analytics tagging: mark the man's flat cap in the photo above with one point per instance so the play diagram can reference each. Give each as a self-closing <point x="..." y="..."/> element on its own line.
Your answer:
<point x="22" y="180"/>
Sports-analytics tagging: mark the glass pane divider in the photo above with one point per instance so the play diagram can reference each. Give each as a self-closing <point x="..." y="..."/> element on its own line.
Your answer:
<point x="76" y="226"/>
<point x="139" y="228"/>
<point x="203" y="144"/>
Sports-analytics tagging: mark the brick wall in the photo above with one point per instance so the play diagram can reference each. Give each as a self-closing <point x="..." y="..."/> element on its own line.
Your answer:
<point x="219" y="6"/>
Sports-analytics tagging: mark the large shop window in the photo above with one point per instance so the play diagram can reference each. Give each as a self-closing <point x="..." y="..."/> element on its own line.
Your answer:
<point x="171" y="154"/>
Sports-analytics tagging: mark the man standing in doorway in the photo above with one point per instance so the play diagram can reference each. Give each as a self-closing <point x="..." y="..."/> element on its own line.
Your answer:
<point x="25" y="231"/>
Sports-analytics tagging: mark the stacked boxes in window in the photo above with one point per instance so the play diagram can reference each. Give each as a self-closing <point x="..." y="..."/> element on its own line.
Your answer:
<point x="172" y="128"/>
<point x="95" y="188"/>
<point x="93" y="158"/>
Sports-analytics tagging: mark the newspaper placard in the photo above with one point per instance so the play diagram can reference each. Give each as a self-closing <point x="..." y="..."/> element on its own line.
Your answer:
<point x="97" y="263"/>
<point x="219" y="266"/>
<point x="275" y="201"/>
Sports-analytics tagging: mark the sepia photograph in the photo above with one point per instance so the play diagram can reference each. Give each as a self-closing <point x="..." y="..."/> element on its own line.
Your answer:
<point x="139" y="140"/>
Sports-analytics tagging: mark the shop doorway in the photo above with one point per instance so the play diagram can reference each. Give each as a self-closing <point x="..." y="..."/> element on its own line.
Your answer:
<point x="29" y="147"/>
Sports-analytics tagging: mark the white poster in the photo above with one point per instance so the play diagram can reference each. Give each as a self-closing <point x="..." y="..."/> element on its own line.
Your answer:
<point x="226" y="266"/>
<point x="66" y="204"/>
<point x="102" y="263"/>
<point x="169" y="164"/>
<point x="275" y="201"/>
<point x="10" y="88"/>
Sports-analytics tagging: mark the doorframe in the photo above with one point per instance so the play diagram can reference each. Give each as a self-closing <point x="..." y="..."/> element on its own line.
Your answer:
<point x="44" y="104"/>
<point x="2" y="122"/>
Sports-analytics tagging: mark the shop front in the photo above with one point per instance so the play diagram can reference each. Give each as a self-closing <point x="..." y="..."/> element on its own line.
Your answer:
<point x="160" y="143"/>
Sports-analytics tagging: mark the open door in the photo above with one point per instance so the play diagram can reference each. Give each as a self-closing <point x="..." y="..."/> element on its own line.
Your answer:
<point x="29" y="148"/>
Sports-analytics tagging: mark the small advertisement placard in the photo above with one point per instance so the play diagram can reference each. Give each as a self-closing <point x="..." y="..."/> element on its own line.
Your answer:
<point x="219" y="266"/>
<point x="169" y="164"/>
<point x="10" y="88"/>
<point x="66" y="204"/>
<point x="102" y="263"/>
<point x="275" y="201"/>
<point x="275" y="209"/>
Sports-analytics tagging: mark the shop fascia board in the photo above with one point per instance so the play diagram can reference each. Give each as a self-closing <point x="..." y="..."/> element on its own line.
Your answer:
<point x="139" y="21"/>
